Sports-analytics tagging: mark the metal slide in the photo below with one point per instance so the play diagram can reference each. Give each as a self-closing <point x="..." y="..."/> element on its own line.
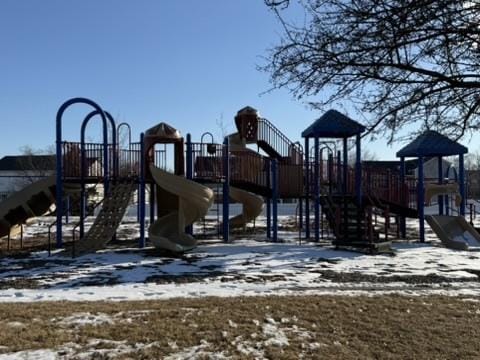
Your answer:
<point x="252" y="206"/>
<point x="33" y="200"/>
<point x="454" y="231"/>
<point x="182" y="202"/>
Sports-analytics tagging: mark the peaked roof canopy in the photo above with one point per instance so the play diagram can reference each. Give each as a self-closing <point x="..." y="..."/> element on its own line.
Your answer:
<point x="432" y="143"/>
<point x="163" y="131"/>
<point x="333" y="124"/>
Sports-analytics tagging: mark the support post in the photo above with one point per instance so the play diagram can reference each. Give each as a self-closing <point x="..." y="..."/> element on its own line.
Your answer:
<point x="59" y="158"/>
<point x="339" y="171"/>
<point x="421" y="199"/>
<point x="358" y="170"/>
<point x="440" y="181"/>
<point x="67" y="211"/>
<point x="403" y="220"/>
<point x="300" y="215"/>
<point x="307" y="189"/>
<point x="275" y="199"/>
<point x="345" y="167"/>
<point x="142" y="191"/>
<point x="269" y="218"/>
<point x="316" y="191"/>
<point x="189" y="172"/>
<point x="226" y="190"/>
<point x="59" y="185"/>
<point x="461" y="180"/>
<point x="330" y="173"/>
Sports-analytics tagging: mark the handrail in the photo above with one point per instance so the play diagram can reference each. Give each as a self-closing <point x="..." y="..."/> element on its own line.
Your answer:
<point x="384" y="208"/>
<point x="263" y="122"/>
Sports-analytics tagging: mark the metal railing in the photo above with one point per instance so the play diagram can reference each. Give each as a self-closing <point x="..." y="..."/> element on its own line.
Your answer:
<point x="280" y="143"/>
<point x="127" y="161"/>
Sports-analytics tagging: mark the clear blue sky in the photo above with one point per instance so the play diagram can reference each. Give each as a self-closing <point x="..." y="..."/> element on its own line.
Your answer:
<point x="185" y="62"/>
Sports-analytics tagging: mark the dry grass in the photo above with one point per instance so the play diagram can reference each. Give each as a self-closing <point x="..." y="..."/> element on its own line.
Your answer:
<point x="382" y="327"/>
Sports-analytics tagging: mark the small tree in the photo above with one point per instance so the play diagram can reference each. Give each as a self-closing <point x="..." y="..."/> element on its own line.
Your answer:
<point x="34" y="164"/>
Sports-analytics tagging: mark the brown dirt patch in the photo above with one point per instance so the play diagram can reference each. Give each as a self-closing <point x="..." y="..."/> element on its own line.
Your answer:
<point x="379" y="327"/>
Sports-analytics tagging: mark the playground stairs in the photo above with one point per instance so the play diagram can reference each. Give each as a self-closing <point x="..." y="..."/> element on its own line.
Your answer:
<point x="108" y="220"/>
<point x="351" y="225"/>
<point x="270" y="139"/>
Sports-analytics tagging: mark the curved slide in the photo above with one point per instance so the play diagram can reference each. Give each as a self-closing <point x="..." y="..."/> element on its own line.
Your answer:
<point x="33" y="200"/>
<point x="252" y="207"/>
<point x="186" y="203"/>
<point x="454" y="231"/>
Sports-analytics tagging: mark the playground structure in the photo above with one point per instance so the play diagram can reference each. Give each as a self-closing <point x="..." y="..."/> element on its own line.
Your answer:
<point x="345" y="197"/>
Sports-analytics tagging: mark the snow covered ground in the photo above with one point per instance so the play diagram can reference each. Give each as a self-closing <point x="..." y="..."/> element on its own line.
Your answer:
<point x="248" y="266"/>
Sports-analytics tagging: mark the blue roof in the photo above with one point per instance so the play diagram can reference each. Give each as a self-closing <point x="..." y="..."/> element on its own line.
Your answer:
<point x="333" y="124"/>
<point x="432" y="143"/>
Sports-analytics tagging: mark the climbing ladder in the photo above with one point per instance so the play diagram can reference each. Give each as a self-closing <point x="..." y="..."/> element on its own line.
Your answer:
<point x="108" y="220"/>
<point x="352" y="224"/>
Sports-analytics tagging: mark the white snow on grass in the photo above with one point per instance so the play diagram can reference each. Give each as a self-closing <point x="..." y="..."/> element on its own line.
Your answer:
<point x="82" y="319"/>
<point x="31" y="355"/>
<point x="94" y="349"/>
<point x="245" y="267"/>
<point x="197" y="352"/>
<point x="276" y="336"/>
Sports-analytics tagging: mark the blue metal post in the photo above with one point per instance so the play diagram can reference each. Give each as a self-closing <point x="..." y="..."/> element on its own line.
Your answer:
<point x="67" y="212"/>
<point x="440" y="181"/>
<point x="421" y="199"/>
<point x="339" y="172"/>
<point x="226" y="190"/>
<point x="316" y="190"/>
<point x="142" y="190"/>
<point x="403" y="220"/>
<point x="461" y="180"/>
<point x="345" y="166"/>
<point x="59" y="160"/>
<point x="83" y="164"/>
<point x="275" y="199"/>
<point x="114" y="148"/>
<point x="269" y="218"/>
<point x="300" y="214"/>
<point x="189" y="172"/>
<point x="138" y="203"/>
<point x="358" y="170"/>
<point x="320" y="159"/>
<point x="307" y="189"/>
<point x="330" y="173"/>
<point x="59" y="183"/>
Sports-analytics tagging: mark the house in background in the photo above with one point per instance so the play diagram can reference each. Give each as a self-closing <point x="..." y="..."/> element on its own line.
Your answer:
<point x="430" y="170"/>
<point x="393" y="166"/>
<point x="18" y="171"/>
<point x="473" y="184"/>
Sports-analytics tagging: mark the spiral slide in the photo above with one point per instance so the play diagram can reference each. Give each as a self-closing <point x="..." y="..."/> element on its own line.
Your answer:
<point x="182" y="202"/>
<point x="252" y="207"/>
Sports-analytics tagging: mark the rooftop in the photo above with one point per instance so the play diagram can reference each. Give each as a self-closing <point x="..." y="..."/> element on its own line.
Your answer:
<point x="27" y="163"/>
<point x="333" y="124"/>
<point x="432" y="143"/>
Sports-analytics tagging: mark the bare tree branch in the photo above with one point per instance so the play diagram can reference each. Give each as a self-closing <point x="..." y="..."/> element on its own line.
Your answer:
<point x="401" y="62"/>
